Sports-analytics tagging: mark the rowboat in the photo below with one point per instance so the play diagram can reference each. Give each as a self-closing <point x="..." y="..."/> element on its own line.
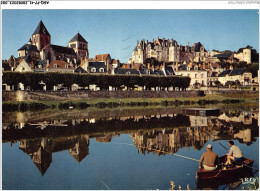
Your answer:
<point x="223" y="172"/>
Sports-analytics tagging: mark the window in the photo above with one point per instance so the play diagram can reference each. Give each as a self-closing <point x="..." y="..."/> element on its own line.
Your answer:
<point x="101" y="69"/>
<point x="73" y="45"/>
<point x="195" y="75"/>
<point x="66" y="66"/>
<point x="201" y="75"/>
<point x="55" y="66"/>
<point x="93" y="69"/>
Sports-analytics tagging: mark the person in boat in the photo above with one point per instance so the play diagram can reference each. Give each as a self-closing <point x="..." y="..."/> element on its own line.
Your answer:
<point x="209" y="159"/>
<point x="235" y="154"/>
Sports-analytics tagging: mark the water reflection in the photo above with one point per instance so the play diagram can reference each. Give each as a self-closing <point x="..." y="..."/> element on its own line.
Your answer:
<point x="153" y="134"/>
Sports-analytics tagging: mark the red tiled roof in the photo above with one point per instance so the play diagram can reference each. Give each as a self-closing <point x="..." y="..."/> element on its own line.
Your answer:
<point x="60" y="64"/>
<point x="101" y="57"/>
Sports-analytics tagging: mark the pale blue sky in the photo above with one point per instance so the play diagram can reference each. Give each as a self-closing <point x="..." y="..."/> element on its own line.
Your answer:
<point x="117" y="31"/>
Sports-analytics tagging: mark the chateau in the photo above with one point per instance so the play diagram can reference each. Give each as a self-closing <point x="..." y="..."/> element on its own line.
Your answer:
<point x="168" y="51"/>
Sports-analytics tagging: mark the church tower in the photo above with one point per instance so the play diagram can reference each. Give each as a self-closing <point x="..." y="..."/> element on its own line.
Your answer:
<point x="41" y="37"/>
<point x="80" y="46"/>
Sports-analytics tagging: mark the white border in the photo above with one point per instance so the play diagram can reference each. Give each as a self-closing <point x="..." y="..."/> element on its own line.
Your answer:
<point x="254" y="4"/>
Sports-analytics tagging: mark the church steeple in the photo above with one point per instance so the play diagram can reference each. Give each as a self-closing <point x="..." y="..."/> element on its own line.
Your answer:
<point x="80" y="46"/>
<point x="41" y="29"/>
<point x="41" y="37"/>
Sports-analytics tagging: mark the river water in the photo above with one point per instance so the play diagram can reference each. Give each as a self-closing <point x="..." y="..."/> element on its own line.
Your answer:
<point x="122" y="149"/>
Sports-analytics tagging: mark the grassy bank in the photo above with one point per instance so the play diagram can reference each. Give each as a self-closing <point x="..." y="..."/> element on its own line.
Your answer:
<point x="220" y="100"/>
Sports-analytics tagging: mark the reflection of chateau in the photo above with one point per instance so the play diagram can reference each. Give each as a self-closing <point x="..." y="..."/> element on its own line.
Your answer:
<point x="158" y="134"/>
<point x="160" y="141"/>
<point x="41" y="150"/>
<point x="227" y="126"/>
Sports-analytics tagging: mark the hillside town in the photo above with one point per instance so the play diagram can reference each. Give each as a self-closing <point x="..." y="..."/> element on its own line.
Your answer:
<point x="160" y="57"/>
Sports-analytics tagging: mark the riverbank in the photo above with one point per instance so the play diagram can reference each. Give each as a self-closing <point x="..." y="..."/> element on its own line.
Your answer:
<point x="219" y="99"/>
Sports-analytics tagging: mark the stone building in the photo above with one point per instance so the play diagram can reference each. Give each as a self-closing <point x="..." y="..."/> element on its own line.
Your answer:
<point x="167" y="51"/>
<point x="39" y="47"/>
<point x="242" y="55"/>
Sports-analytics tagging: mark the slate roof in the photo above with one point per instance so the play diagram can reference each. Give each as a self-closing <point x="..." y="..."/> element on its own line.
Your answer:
<point x="237" y="71"/>
<point x="224" y="55"/>
<point x="169" y="71"/>
<point x="214" y="74"/>
<point x="29" y="47"/>
<point x="5" y="66"/>
<point x="28" y="59"/>
<point x="97" y="65"/>
<point x="182" y="67"/>
<point x="41" y="29"/>
<point x="197" y="46"/>
<point x="62" y="49"/>
<point x="159" y="72"/>
<point x="40" y="66"/>
<point x="152" y="45"/>
<point x="223" y="74"/>
<point x="127" y="71"/>
<point x="80" y="70"/>
<point x="78" y="38"/>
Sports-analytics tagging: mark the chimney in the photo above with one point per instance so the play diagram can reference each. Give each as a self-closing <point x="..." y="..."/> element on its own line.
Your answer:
<point x="191" y="65"/>
<point x="204" y="66"/>
<point x="107" y="67"/>
<point x="176" y="66"/>
<point x="210" y="72"/>
<point x="48" y="63"/>
<point x="231" y="67"/>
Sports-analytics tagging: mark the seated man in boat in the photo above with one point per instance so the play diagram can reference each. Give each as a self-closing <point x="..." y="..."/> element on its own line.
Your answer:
<point x="235" y="154"/>
<point x="210" y="159"/>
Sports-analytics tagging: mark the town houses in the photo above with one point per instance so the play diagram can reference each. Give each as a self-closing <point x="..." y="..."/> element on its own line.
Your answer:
<point x="160" y="57"/>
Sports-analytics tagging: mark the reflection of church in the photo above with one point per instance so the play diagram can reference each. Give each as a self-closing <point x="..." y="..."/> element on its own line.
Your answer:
<point x="41" y="150"/>
<point x="158" y="135"/>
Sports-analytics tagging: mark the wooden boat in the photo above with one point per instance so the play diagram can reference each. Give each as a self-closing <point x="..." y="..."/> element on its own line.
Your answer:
<point x="222" y="172"/>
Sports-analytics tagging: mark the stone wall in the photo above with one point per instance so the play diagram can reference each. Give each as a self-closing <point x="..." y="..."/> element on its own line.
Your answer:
<point x="72" y="95"/>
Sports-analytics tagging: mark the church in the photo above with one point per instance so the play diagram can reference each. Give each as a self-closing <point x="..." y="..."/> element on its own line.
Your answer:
<point x="39" y="47"/>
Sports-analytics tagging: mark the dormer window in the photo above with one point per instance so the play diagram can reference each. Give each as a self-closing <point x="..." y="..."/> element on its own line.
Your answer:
<point x="93" y="69"/>
<point x="66" y="66"/>
<point x="101" y="69"/>
<point x="55" y="66"/>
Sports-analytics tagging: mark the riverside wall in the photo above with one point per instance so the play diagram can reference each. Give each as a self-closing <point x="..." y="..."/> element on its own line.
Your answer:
<point x="77" y="95"/>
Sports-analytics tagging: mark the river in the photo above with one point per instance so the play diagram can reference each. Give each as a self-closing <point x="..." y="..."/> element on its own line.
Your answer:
<point x="118" y="148"/>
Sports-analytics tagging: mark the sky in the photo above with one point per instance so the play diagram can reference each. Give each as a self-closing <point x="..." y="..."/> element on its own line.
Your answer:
<point x="117" y="31"/>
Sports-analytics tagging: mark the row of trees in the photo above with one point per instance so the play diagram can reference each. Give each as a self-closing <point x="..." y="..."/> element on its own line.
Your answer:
<point x="36" y="80"/>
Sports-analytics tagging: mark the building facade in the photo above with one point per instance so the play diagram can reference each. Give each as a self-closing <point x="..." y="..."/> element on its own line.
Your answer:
<point x="167" y="51"/>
